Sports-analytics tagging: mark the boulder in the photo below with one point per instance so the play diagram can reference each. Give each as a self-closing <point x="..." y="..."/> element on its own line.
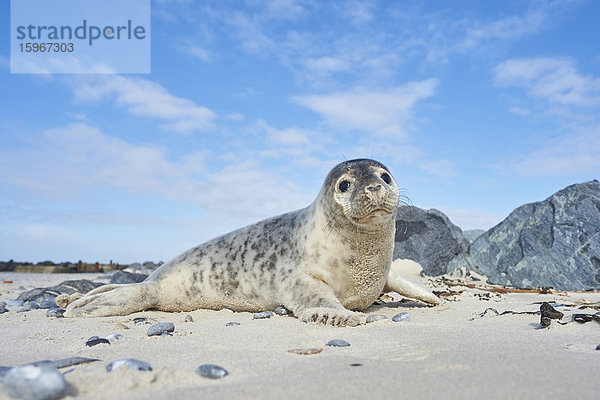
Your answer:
<point x="555" y="242"/>
<point x="122" y="277"/>
<point x="427" y="237"/>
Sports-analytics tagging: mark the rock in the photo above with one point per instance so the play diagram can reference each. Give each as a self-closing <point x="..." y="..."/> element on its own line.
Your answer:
<point x="38" y="294"/>
<point x="263" y="315"/>
<point x="3" y="310"/>
<point x="338" y="343"/>
<point x="113" y="336"/>
<point x="141" y="321"/>
<point x="427" y="237"/>
<point x="306" y="352"/>
<point x="2" y="304"/>
<point x="160" y="328"/>
<point x="232" y="324"/>
<point x="48" y="303"/>
<point x="211" y="371"/>
<point x="95" y="340"/>
<point x="401" y="317"/>
<point x="598" y="347"/>
<point x="188" y="318"/>
<point x="34" y="383"/>
<point x="281" y="310"/>
<point x="122" y="277"/>
<point x="81" y="285"/>
<point x="30" y="305"/>
<point x="472" y="234"/>
<point x="130" y="363"/>
<point x="555" y="242"/>
<point x="375" y="317"/>
<point x="55" y="312"/>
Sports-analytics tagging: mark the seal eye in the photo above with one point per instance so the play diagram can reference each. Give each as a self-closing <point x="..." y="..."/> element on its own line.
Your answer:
<point x="386" y="178"/>
<point x="343" y="186"/>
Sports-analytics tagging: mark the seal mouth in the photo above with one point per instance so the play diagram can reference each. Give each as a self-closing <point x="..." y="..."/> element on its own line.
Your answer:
<point x="372" y="216"/>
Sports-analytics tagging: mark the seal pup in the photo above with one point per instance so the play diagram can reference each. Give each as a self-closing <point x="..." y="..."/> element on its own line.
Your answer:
<point x="321" y="262"/>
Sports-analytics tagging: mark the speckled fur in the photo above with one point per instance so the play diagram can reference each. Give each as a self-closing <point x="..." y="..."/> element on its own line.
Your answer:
<point x="320" y="262"/>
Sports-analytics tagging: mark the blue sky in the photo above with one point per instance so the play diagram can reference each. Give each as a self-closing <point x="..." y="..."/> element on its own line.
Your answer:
<point x="477" y="107"/>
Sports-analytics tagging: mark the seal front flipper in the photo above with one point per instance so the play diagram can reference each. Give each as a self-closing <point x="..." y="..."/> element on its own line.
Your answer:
<point x="314" y="302"/>
<point x="115" y="300"/>
<point x="395" y="283"/>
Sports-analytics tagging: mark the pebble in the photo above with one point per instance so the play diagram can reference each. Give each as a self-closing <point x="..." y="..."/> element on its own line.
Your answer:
<point x="3" y="310"/>
<point x="34" y="383"/>
<point x="263" y="315"/>
<point x="30" y="305"/>
<point x="55" y="312"/>
<point x="211" y="371"/>
<point x="2" y="304"/>
<point x="141" y="321"/>
<point x="401" y="317"/>
<point x="95" y="340"/>
<point x="305" y="352"/>
<point x="598" y="347"/>
<point x="338" y="343"/>
<point x="130" y="363"/>
<point x="375" y="317"/>
<point x="160" y="328"/>
<point x="232" y="324"/>
<point x="113" y="336"/>
<point x="48" y="303"/>
<point x="281" y="310"/>
<point x="15" y="303"/>
<point x="188" y="318"/>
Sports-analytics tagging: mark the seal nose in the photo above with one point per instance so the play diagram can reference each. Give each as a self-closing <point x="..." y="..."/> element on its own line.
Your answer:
<point x="373" y="188"/>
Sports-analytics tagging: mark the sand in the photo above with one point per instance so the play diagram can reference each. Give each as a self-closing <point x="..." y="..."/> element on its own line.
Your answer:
<point x="444" y="352"/>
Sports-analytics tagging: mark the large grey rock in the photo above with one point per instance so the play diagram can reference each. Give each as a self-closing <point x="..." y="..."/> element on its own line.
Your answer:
<point x="473" y="234"/>
<point x="555" y="242"/>
<point x="122" y="277"/>
<point x="427" y="237"/>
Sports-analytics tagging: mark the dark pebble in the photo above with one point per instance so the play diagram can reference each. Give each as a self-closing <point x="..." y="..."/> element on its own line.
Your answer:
<point x="141" y="321"/>
<point x="281" y="310"/>
<point x="48" y="303"/>
<point x="160" y="328"/>
<point x="546" y="310"/>
<point x="55" y="312"/>
<point x="375" y="317"/>
<point x="598" y="347"/>
<point x="94" y="342"/>
<point x="263" y="315"/>
<point x="232" y="324"/>
<point x="582" y="318"/>
<point x="338" y="343"/>
<point x="122" y="277"/>
<point x="188" y="318"/>
<point x="81" y="285"/>
<point x="401" y="317"/>
<point x="130" y="363"/>
<point x="211" y="371"/>
<point x="113" y="336"/>
<point x="34" y="383"/>
<point x="15" y="303"/>
<point x="3" y="310"/>
<point x="356" y="365"/>
<point x="2" y="304"/>
<point x="30" y="305"/>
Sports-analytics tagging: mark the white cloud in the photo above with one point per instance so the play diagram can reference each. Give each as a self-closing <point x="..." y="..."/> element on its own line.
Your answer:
<point x="568" y="154"/>
<point x="555" y="80"/>
<point x="383" y="112"/>
<point x="147" y="99"/>
<point x="441" y="168"/>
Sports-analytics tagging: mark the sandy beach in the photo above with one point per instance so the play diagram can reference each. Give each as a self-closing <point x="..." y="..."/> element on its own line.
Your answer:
<point x="449" y="351"/>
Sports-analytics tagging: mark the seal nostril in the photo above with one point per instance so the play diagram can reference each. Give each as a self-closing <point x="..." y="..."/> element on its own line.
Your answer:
<point x="374" y="188"/>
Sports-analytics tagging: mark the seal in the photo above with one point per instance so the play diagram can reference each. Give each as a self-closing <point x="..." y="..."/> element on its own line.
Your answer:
<point x="322" y="262"/>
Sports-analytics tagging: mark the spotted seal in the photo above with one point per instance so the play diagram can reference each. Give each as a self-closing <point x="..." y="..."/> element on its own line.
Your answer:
<point x="321" y="262"/>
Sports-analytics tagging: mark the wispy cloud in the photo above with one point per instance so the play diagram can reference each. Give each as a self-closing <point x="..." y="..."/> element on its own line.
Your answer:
<point x="555" y="80"/>
<point x="382" y="112"/>
<point x="144" y="98"/>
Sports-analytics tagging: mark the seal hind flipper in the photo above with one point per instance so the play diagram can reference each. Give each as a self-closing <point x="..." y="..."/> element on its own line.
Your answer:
<point x="115" y="300"/>
<point x="396" y="283"/>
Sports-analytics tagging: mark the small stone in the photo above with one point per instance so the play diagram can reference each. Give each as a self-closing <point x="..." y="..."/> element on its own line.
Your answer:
<point x="356" y="365"/>
<point x="113" y="336"/>
<point x="130" y="363"/>
<point x="55" y="312"/>
<point x="305" y="352"/>
<point x="263" y="315"/>
<point x="338" y="343"/>
<point x="188" y="318"/>
<point x="15" y="303"/>
<point x="3" y="310"/>
<point x="232" y="324"/>
<point x="34" y="383"/>
<point x="375" y="317"/>
<point x="545" y="321"/>
<point x="2" y="304"/>
<point x="598" y="347"/>
<point x="93" y="338"/>
<point x="48" y="303"/>
<point x="141" y="321"/>
<point x="211" y="371"/>
<point x="401" y="317"/>
<point x="546" y="310"/>
<point x="93" y="342"/>
<point x="160" y="328"/>
<point x="281" y="310"/>
<point x="30" y="305"/>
